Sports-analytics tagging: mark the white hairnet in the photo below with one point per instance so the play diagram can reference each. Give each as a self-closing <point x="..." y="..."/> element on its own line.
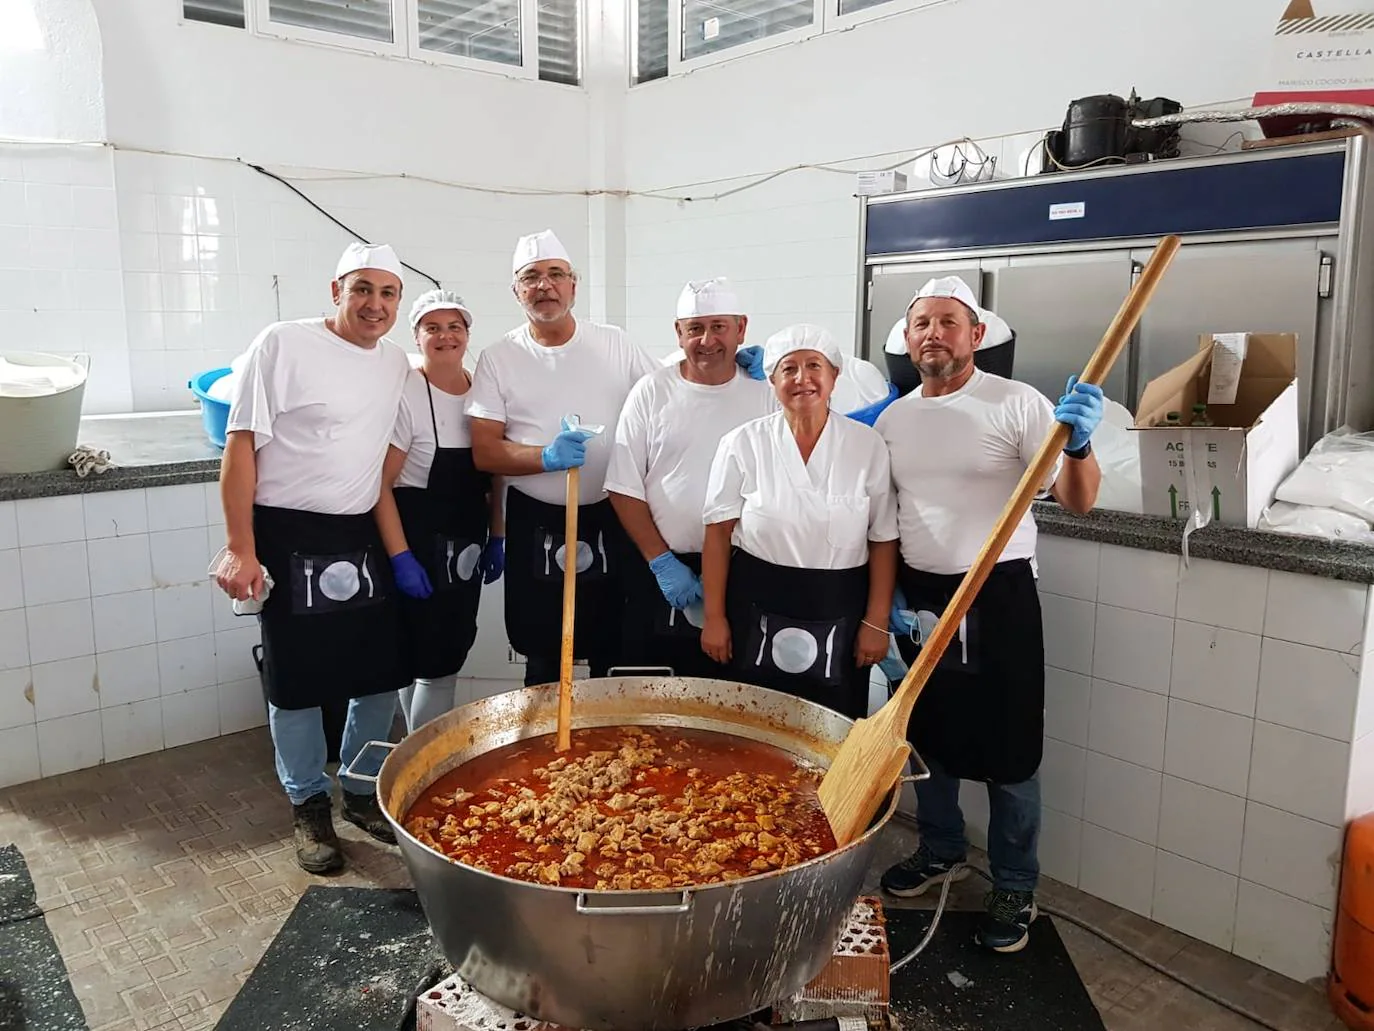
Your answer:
<point x="438" y="300"/>
<point x="801" y="337"/>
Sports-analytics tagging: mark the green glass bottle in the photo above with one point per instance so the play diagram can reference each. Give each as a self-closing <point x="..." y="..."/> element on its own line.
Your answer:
<point x="1200" y="417"/>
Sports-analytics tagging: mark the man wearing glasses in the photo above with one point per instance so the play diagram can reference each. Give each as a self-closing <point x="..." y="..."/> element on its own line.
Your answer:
<point x="540" y="399"/>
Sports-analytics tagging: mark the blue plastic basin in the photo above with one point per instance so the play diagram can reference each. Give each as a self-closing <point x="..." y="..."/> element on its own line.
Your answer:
<point x="214" y="413"/>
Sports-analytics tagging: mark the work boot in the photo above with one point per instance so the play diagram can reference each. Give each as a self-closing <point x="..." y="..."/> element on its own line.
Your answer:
<point x="1006" y="924"/>
<point x="918" y="872"/>
<point x="363" y="811"/>
<point x="317" y="846"/>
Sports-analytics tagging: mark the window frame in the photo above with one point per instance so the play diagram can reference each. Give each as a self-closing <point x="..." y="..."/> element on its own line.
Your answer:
<point x="678" y="64"/>
<point x="406" y="45"/>
<point x="528" y="68"/>
<point x="839" y="22"/>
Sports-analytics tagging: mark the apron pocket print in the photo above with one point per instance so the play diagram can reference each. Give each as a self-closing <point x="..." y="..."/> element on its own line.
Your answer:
<point x="456" y="560"/>
<point x="671" y="622"/>
<point x="551" y="556"/>
<point x="816" y="650"/>
<point x="328" y="583"/>
<point x="961" y="654"/>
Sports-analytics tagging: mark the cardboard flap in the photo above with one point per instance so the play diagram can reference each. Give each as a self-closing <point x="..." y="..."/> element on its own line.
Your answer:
<point x="1270" y="365"/>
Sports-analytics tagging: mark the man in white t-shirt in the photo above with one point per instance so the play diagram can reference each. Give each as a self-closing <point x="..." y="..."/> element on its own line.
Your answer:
<point x="532" y="392"/>
<point x="959" y="447"/>
<point x="308" y="428"/>
<point x="667" y="436"/>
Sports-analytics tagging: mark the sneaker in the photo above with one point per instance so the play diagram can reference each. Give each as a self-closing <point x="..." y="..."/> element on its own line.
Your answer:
<point x="317" y="846"/>
<point x="363" y="811"/>
<point x="1006" y="924"/>
<point x="918" y="871"/>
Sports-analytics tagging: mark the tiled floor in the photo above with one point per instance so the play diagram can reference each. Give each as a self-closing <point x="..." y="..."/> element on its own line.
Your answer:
<point x="165" y="877"/>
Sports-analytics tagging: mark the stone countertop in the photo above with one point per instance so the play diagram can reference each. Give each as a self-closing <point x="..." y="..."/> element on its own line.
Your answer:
<point x="163" y="449"/>
<point x="156" y="450"/>
<point x="1314" y="556"/>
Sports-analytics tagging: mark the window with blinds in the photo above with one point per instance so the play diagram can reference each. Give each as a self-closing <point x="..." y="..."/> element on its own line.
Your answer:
<point x="361" y="19"/>
<point x="710" y="26"/>
<point x="216" y="12"/>
<point x="486" y="30"/>
<point x="650" y="43"/>
<point x="490" y="31"/>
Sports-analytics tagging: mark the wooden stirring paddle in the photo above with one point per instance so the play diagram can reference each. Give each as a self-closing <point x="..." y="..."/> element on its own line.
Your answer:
<point x="874" y="752"/>
<point x="565" y="663"/>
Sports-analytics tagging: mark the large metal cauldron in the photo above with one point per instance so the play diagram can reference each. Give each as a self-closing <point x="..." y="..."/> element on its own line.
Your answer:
<point x="619" y="960"/>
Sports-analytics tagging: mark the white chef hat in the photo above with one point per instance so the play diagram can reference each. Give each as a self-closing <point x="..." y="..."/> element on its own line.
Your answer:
<point x="801" y="337"/>
<point x="948" y="286"/>
<point x="541" y="246"/>
<point x="438" y="300"/>
<point x="997" y="332"/>
<point x="367" y="255"/>
<point x="708" y="297"/>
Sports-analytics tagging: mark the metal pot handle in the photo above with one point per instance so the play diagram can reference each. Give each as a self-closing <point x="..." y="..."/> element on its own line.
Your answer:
<point x="683" y="905"/>
<point x="918" y="763"/>
<point x="345" y="769"/>
<point x="620" y="671"/>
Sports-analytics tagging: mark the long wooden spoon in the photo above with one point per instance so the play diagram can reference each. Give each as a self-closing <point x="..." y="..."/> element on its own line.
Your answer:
<point x="565" y="664"/>
<point x="873" y="753"/>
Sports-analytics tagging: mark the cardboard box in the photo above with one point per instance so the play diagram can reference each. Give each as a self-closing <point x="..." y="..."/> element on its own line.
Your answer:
<point x="1228" y="471"/>
<point x="1323" y="52"/>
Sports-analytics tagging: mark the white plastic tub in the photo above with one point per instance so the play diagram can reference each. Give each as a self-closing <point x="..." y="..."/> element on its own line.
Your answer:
<point x="40" y="409"/>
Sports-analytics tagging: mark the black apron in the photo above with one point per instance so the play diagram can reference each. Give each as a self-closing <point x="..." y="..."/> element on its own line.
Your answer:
<point x="534" y="578"/>
<point x="331" y="628"/>
<point x="445" y="524"/>
<point x="656" y="634"/>
<point x="982" y="713"/>
<point x="793" y="630"/>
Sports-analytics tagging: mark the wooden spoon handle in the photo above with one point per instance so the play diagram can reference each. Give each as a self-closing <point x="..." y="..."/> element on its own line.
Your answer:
<point x="565" y="665"/>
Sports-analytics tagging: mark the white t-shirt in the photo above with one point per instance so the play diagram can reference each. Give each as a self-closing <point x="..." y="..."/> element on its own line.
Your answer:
<point x="531" y="388"/>
<point x="815" y="515"/>
<point x="414" y="431"/>
<point x="666" y="438"/>
<point x="321" y="411"/>
<point x="956" y="461"/>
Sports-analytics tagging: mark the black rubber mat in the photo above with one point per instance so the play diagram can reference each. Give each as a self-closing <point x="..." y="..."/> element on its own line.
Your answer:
<point x="35" y="992"/>
<point x="347" y="959"/>
<point x="956" y="985"/>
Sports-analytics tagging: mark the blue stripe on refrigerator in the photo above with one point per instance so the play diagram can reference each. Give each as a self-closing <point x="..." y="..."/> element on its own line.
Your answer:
<point x="1233" y="195"/>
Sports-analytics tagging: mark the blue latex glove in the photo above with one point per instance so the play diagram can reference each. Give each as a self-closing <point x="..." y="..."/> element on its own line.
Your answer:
<point x="410" y="575"/>
<point x="750" y="359"/>
<point x="679" y="584"/>
<point x="896" y="621"/>
<point x="493" y="559"/>
<point x="567" y="450"/>
<point x="1081" y="409"/>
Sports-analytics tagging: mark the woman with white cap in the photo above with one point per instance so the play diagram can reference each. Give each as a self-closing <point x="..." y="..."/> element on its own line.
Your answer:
<point x="437" y="515"/>
<point x="801" y="604"/>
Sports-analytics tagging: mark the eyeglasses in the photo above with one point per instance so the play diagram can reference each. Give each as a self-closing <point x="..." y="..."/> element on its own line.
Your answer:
<point x="556" y="277"/>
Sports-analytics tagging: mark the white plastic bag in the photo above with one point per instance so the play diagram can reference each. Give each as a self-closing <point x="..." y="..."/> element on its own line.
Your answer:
<point x="1310" y="521"/>
<point x="1118" y="455"/>
<point x="1338" y="473"/>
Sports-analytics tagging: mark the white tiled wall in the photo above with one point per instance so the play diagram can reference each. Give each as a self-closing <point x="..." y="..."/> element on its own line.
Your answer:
<point x="113" y="642"/>
<point x="1209" y="729"/>
<point x="162" y="267"/>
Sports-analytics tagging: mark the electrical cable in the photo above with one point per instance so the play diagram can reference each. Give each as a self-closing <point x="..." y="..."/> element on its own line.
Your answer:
<point x="352" y="232"/>
<point x="1078" y="921"/>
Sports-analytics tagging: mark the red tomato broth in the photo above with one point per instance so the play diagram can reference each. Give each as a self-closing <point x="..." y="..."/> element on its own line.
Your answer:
<point x="727" y="790"/>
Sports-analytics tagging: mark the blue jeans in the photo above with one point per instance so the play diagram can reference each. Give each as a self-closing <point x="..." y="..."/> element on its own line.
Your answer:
<point x="298" y="737"/>
<point x="426" y="700"/>
<point x="1013" y="826"/>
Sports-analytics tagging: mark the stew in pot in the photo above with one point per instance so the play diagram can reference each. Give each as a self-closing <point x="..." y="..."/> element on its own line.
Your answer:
<point x="627" y="808"/>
